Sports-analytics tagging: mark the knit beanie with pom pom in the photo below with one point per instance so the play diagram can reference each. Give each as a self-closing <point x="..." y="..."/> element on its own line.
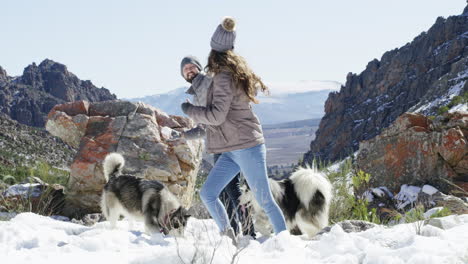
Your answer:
<point x="224" y="36"/>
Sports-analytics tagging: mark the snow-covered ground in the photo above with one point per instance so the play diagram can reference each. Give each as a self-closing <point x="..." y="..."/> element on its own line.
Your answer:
<point x="30" y="238"/>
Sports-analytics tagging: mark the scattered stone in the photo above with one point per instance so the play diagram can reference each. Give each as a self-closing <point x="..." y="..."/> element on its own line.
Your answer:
<point x="89" y="219"/>
<point x="349" y="226"/>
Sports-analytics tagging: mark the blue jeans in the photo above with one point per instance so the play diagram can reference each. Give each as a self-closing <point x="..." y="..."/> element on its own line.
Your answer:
<point x="252" y="163"/>
<point x="236" y="213"/>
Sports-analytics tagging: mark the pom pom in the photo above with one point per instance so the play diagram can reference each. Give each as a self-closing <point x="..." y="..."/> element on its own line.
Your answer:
<point x="229" y="24"/>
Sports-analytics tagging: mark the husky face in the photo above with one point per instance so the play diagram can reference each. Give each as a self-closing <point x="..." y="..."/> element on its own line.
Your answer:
<point x="176" y="223"/>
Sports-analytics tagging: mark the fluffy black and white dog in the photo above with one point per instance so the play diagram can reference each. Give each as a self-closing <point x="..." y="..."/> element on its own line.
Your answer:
<point x="304" y="198"/>
<point x="139" y="199"/>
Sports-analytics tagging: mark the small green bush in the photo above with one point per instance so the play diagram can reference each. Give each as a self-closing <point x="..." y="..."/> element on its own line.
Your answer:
<point x="456" y="100"/>
<point x="42" y="170"/>
<point x="442" y="213"/>
<point x="345" y="205"/>
<point x="442" y="110"/>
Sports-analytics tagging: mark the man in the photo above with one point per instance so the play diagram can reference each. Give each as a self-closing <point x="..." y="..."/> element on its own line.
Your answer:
<point x="191" y="71"/>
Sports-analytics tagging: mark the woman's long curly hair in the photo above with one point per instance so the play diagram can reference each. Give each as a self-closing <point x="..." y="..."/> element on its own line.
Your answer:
<point x="242" y="74"/>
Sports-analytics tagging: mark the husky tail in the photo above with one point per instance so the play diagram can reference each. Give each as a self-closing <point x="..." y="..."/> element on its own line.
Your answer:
<point x="313" y="190"/>
<point x="113" y="165"/>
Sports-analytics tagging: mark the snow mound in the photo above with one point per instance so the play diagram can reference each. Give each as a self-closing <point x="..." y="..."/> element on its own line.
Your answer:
<point x="30" y="238"/>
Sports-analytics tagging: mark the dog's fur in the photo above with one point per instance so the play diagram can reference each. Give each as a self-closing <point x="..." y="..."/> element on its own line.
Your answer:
<point x="139" y="199"/>
<point x="304" y="198"/>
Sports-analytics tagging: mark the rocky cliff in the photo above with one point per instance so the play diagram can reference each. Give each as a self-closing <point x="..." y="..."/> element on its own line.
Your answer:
<point x="29" y="98"/>
<point x="420" y="76"/>
<point x="416" y="150"/>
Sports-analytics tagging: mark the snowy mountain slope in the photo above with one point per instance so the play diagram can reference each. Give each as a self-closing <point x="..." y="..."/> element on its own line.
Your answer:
<point x="286" y="102"/>
<point x="30" y="238"/>
<point x="424" y="74"/>
<point x="448" y="86"/>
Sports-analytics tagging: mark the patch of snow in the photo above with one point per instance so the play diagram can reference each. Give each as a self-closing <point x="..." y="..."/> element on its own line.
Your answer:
<point x="166" y="132"/>
<point x="357" y="123"/>
<point x="24" y="190"/>
<point x="335" y="167"/>
<point x="385" y="105"/>
<point x="407" y="195"/>
<point x="441" y="47"/>
<point x="432" y="211"/>
<point x="378" y="192"/>
<point x="431" y="231"/>
<point x="368" y="196"/>
<point x="442" y="100"/>
<point x="459" y="108"/>
<point x="461" y="75"/>
<point x="429" y="189"/>
<point x="447" y="222"/>
<point x="30" y="238"/>
<point x="456" y="89"/>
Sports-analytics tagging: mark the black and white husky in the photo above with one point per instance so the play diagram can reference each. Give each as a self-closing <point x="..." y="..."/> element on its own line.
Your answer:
<point x="139" y="199"/>
<point x="304" y="198"/>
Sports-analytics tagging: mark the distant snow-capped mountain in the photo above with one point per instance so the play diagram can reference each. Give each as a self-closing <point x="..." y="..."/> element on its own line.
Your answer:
<point x="286" y="101"/>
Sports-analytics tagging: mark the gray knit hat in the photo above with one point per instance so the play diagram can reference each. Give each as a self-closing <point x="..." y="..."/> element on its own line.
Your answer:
<point x="224" y="36"/>
<point x="189" y="59"/>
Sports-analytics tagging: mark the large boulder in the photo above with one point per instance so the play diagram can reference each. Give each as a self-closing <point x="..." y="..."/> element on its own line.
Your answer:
<point x="139" y="132"/>
<point x="415" y="150"/>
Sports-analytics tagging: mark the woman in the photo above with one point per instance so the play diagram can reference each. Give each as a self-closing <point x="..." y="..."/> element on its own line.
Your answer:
<point x="234" y="130"/>
<point x="191" y="71"/>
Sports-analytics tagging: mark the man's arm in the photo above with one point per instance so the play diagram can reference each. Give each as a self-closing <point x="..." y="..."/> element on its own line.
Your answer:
<point x="214" y="114"/>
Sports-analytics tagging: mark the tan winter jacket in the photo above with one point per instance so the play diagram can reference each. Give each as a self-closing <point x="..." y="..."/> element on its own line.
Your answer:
<point x="231" y="123"/>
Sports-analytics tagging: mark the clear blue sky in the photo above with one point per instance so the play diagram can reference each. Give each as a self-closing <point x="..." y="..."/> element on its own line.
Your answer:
<point x="134" y="48"/>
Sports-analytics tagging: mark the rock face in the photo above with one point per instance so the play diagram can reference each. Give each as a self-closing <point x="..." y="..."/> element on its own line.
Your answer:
<point x="415" y="150"/>
<point x="139" y="132"/>
<point x="418" y="77"/>
<point x="29" y="98"/>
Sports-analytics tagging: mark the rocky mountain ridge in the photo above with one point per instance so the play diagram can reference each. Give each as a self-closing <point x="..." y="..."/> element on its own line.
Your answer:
<point x="29" y="98"/>
<point x="420" y="76"/>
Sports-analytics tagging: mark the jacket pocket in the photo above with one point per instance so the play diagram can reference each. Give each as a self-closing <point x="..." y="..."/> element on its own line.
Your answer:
<point x="222" y="134"/>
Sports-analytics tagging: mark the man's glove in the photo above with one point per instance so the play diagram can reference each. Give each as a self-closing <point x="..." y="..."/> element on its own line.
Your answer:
<point x="185" y="107"/>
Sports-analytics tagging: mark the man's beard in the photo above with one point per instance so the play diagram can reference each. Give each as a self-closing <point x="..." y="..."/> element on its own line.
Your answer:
<point x="190" y="78"/>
